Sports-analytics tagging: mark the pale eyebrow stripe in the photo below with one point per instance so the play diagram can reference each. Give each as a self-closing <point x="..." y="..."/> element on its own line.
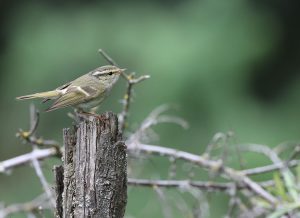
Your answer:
<point x="96" y="73"/>
<point x="102" y="72"/>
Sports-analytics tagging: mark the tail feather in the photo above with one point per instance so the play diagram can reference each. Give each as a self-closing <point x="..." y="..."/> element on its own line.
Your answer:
<point x="47" y="95"/>
<point x="24" y="97"/>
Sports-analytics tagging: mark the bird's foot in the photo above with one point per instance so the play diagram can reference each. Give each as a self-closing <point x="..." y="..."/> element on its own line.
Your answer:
<point x="80" y="115"/>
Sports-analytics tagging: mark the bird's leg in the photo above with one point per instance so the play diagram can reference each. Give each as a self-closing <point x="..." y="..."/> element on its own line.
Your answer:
<point x="93" y="110"/>
<point x="73" y="116"/>
<point x="80" y="114"/>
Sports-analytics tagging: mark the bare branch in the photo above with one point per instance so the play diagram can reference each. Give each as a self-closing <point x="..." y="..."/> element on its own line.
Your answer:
<point x="107" y="57"/>
<point x="288" y="177"/>
<point x="208" y="164"/>
<point x="154" y="118"/>
<point x="166" y="208"/>
<point x="33" y="140"/>
<point x="197" y="187"/>
<point x="233" y="201"/>
<point x="131" y="80"/>
<point x="174" y="153"/>
<point x="217" y="138"/>
<point x="128" y="96"/>
<point x="262" y="149"/>
<point x="294" y="154"/>
<point x="37" y="154"/>
<point x="269" y="168"/>
<point x="181" y="184"/>
<point x="39" y="173"/>
<point x="38" y="204"/>
<point x="34" y="118"/>
<point x="30" y="137"/>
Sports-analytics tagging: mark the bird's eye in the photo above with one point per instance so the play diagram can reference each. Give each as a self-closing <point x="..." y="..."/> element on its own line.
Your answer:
<point x="110" y="73"/>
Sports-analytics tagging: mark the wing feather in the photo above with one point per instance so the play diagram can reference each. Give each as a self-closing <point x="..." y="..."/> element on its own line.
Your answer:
<point x="73" y="96"/>
<point x="69" y="99"/>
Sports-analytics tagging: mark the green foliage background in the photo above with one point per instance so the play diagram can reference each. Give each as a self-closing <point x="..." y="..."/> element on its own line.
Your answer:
<point x="201" y="55"/>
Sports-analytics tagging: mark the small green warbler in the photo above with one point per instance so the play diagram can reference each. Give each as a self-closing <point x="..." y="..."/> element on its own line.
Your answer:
<point x="83" y="93"/>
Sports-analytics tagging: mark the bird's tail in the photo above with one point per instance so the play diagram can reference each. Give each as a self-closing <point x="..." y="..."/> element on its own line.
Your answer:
<point x="46" y="95"/>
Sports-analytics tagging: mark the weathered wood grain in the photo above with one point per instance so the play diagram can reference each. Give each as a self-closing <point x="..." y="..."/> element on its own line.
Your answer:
<point x="95" y="181"/>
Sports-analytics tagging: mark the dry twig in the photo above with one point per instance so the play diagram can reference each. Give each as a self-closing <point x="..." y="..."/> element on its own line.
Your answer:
<point x="38" y="154"/>
<point x="34" y="119"/>
<point x="211" y="165"/>
<point x="131" y="80"/>
<point x="35" y="155"/>
<point x="35" y="206"/>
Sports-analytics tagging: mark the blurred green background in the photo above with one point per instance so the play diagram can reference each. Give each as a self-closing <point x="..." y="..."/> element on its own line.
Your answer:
<point x="228" y="66"/>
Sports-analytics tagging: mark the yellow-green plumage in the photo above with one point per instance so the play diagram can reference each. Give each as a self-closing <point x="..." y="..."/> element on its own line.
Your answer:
<point x="85" y="92"/>
<point x="49" y="94"/>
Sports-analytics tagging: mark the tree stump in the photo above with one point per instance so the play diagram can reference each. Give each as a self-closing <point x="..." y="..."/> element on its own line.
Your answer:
<point x="94" y="170"/>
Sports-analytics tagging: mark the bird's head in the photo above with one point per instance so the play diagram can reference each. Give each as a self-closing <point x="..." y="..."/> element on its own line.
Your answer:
<point x="108" y="74"/>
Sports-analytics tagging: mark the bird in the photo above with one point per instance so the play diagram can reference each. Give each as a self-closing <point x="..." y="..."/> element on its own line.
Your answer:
<point x="84" y="93"/>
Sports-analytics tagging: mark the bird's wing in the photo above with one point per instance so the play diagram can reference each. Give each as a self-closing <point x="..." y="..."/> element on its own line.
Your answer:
<point x="73" y="96"/>
<point x="60" y="88"/>
<point x="64" y="86"/>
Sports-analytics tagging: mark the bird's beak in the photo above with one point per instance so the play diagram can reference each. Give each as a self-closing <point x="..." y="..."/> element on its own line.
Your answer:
<point x="121" y="70"/>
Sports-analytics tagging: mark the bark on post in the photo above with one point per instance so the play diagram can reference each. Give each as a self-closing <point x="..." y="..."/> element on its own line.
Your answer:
<point x="95" y="181"/>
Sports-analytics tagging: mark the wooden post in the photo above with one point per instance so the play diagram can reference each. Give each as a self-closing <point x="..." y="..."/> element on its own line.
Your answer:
<point x="94" y="170"/>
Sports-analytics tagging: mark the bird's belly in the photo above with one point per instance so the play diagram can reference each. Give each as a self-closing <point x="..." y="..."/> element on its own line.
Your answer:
<point x="91" y="103"/>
